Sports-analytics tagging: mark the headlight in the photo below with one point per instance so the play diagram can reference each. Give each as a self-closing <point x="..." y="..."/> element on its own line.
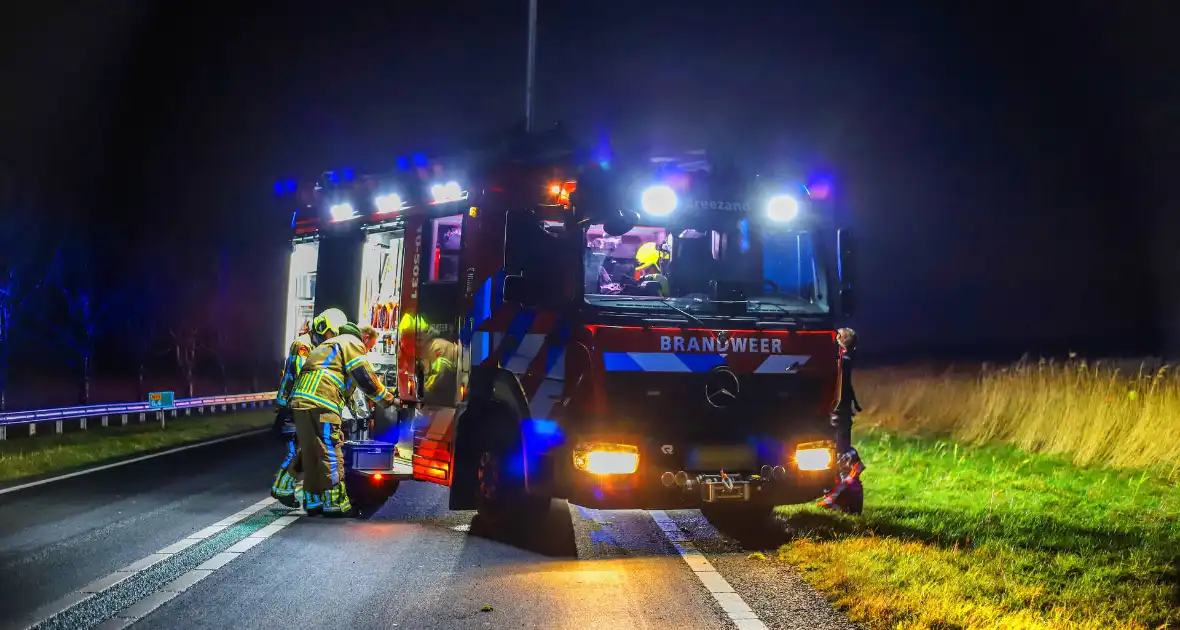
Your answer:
<point x="607" y="459"/>
<point x="342" y="212"/>
<point x="387" y="203"/>
<point x="449" y="191"/>
<point x="814" y="456"/>
<point x="782" y="208"/>
<point x="658" y="201"/>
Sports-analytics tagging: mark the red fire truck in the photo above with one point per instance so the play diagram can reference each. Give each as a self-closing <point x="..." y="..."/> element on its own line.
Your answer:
<point x="654" y="336"/>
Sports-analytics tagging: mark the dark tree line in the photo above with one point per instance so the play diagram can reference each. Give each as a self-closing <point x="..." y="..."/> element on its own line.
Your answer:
<point x="67" y="299"/>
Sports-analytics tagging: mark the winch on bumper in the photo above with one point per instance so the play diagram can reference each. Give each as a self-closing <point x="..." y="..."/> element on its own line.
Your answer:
<point x="619" y="474"/>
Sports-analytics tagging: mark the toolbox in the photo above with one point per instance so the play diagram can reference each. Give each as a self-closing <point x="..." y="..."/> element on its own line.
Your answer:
<point x="369" y="454"/>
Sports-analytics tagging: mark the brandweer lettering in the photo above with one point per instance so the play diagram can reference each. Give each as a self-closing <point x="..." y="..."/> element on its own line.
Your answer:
<point x="669" y="343"/>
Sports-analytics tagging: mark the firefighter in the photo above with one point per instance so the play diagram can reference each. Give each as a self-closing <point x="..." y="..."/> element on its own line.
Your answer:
<point x="848" y="494"/>
<point x="438" y="357"/>
<point x="313" y="333"/>
<point x="649" y="261"/>
<point x="848" y="406"/>
<point x="319" y="397"/>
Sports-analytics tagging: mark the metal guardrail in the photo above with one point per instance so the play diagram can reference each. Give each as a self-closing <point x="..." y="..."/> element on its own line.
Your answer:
<point x="123" y="411"/>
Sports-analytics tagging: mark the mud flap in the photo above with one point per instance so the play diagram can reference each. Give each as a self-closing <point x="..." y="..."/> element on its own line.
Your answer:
<point x="434" y="445"/>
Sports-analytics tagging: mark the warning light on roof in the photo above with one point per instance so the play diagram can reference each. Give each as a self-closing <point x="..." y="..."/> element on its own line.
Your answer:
<point x="449" y="191"/>
<point x="387" y="203"/>
<point x="342" y="212"/>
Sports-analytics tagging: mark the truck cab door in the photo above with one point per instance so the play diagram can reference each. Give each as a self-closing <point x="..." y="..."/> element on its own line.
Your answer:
<point x="429" y="355"/>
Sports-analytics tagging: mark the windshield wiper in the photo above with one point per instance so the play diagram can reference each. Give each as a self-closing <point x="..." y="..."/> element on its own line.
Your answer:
<point x="665" y="302"/>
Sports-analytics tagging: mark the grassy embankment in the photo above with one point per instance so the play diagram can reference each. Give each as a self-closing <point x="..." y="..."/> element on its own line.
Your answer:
<point x="27" y="457"/>
<point x="1038" y="496"/>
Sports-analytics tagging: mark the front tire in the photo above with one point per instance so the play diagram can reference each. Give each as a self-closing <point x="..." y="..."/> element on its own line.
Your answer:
<point x="498" y="457"/>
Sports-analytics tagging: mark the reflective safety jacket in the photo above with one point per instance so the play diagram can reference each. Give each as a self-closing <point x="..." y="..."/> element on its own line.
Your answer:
<point x="296" y="355"/>
<point x="331" y="371"/>
<point x="439" y="377"/>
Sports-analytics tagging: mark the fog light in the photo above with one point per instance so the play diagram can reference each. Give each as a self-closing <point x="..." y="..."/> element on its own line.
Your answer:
<point x="606" y="459"/>
<point x="814" y="456"/>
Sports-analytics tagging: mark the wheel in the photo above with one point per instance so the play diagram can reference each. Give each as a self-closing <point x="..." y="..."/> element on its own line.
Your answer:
<point x="500" y="494"/>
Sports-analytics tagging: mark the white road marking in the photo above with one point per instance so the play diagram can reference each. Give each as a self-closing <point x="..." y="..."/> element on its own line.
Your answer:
<point x="172" y="589"/>
<point x="141" y="458"/>
<point x="732" y="603"/>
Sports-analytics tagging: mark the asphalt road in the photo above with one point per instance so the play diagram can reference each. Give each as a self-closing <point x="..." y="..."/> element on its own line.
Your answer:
<point x="199" y="547"/>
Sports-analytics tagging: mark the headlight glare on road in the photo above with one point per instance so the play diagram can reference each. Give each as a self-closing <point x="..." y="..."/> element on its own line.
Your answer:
<point x="606" y="459"/>
<point x="814" y="456"/>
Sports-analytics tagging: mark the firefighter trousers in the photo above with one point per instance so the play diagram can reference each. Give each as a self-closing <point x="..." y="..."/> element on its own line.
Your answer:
<point x="289" y="472"/>
<point x="321" y="449"/>
<point x="288" y="475"/>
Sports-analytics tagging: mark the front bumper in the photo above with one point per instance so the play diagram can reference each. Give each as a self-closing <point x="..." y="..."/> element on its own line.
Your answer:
<point x="689" y="475"/>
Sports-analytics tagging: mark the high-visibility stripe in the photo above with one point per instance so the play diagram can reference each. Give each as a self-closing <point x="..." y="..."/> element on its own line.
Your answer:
<point x="524" y="354"/>
<point x="333" y="465"/>
<point x="782" y="364"/>
<point x="694" y="362"/>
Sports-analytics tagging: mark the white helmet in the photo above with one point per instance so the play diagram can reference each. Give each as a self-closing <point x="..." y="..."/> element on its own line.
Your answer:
<point x="329" y="321"/>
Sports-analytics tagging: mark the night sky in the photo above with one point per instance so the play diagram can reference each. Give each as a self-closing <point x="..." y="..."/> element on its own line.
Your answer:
<point x="1009" y="169"/>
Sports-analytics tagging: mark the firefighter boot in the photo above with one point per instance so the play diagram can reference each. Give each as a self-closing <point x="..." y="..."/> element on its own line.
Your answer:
<point x="336" y="503"/>
<point x="283" y="489"/>
<point x="848" y="495"/>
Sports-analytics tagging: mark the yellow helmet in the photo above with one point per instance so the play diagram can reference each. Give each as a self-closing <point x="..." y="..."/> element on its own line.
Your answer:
<point x="411" y="324"/>
<point x="329" y="321"/>
<point x="649" y="254"/>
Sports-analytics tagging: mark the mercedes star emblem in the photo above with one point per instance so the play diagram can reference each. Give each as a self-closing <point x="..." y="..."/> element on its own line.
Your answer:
<point x="723" y="336"/>
<point x="722" y="387"/>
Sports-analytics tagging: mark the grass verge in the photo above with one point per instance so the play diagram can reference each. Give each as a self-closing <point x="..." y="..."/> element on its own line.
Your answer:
<point x="29" y="457"/>
<point x="992" y="537"/>
<point x="1091" y="413"/>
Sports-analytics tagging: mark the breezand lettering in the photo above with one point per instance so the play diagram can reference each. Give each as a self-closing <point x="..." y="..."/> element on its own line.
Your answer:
<point x="670" y="343"/>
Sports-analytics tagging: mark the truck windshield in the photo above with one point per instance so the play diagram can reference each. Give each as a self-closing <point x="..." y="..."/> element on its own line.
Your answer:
<point x="651" y="268"/>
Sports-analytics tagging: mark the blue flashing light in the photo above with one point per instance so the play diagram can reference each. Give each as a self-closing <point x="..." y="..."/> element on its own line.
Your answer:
<point x="279" y="187"/>
<point x="348" y="174"/>
<point x="403" y="163"/>
<point x="744" y="227"/>
<point x="294" y="215"/>
<point x="419" y="159"/>
<point x="291" y="185"/>
<point x="541" y="435"/>
<point x="820" y="186"/>
<point x="333" y="177"/>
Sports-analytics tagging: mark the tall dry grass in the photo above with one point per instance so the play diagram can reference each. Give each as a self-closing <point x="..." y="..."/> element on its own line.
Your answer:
<point x="1091" y="413"/>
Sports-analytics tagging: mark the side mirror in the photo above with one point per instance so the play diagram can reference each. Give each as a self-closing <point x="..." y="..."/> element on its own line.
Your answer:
<point x="597" y="201"/>
<point x="846" y="267"/>
<point x="847" y="302"/>
<point x="619" y="223"/>
<point x="846" y="261"/>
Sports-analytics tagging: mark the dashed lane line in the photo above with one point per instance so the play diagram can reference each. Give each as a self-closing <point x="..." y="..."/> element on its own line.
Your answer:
<point x="121" y="598"/>
<point x="734" y="606"/>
